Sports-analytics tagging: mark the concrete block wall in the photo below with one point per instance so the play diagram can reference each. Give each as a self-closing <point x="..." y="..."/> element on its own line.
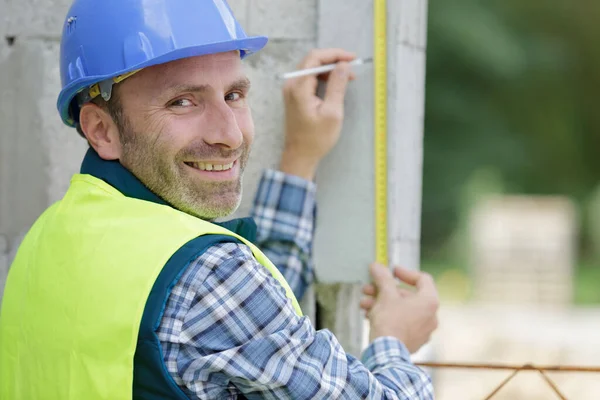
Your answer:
<point x="38" y="154"/>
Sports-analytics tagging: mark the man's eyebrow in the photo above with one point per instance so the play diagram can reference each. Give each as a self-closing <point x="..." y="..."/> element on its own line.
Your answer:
<point x="184" y="88"/>
<point x="239" y="84"/>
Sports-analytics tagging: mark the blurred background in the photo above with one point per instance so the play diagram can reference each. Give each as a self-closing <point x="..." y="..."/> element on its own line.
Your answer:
<point x="511" y="109"/>
<point x="511" y="191"/>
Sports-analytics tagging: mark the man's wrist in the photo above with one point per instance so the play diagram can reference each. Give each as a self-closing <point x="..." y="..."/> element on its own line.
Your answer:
<point x="294" y="164"/>
<point x="402" y="337"/>
<point x="384" y="351"/>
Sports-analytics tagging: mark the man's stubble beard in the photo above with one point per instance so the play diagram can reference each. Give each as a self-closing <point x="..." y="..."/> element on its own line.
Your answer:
<point x="171" y="182"/>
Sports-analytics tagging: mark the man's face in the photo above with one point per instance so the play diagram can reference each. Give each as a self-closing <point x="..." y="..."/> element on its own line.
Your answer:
<point x="187" y="132"/>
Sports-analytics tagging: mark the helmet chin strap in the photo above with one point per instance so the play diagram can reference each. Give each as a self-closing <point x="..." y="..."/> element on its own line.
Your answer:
<point x="103" y="88"/>
<point x="106" y="89"/>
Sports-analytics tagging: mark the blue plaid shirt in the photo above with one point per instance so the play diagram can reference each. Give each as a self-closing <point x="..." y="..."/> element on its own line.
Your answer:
<point x="228" y="330"/>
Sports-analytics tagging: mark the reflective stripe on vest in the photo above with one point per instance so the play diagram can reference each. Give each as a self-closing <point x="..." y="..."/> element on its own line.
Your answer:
<point x="76" y="292"/>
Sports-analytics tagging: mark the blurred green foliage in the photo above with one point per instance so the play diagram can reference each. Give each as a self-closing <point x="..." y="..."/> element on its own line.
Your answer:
<point x="511" y="94"/>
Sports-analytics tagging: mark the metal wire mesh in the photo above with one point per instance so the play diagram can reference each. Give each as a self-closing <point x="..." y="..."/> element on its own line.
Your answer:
<point x="515" y="370"/>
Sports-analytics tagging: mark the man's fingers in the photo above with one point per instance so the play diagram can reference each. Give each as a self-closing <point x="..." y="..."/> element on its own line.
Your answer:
<point x="421" y="280"/>
<point x="305" y="87"/>
<point x="318" y="57"/>
<point x="382" y="278"/>
<point x="426" y="286"/>
<point x="333" y="101"/>
<point x="369" y="290"/>
<point x="367" y="303"/>
<point x="408" y="276"/>
<point x="325" y="77"/>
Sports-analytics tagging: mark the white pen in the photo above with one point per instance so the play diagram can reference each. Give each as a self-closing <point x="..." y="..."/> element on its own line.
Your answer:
<point x="322" y="69"/>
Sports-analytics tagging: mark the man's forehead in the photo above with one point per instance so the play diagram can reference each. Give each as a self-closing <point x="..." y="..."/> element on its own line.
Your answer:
<point x="227" y="65"/>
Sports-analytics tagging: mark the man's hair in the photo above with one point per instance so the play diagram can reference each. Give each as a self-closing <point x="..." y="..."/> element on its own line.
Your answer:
<point x="112" y="107"/>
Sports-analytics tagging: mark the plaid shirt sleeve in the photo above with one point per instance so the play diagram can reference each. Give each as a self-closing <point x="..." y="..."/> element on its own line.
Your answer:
<point x="229" y="330"/>
<point x="284" y="211"/>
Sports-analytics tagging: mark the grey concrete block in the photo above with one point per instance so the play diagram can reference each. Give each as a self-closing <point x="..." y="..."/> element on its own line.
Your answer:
<point x="64" y="146"/>
<point x="423" y="15"/>
<point x="283" y="19"/>
<point x="344" y="244"/>
<point x="38" y="153"/>
<point x="22" y="159"/>
<point x="4" y="17"/>
<point x="405" y="253"/>
<point x="411" y="22"/>
<point x="37" y="18"/>
<point x="406" y="154"/>
<point x="5" y="49"/>
<point x="340" y="313"/>
<point x="6" y="137"/>
<point x="240" y="11"/>
<point x="266" y="102"/>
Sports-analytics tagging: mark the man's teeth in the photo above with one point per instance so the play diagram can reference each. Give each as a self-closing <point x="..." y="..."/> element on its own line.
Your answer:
<point x="211" y="167"/>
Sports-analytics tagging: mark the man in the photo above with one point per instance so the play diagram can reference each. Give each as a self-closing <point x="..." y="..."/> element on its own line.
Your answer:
<point x="125" y="288"/>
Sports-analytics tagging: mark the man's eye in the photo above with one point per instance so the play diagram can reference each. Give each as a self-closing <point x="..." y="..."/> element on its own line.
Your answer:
<point x="181" y="103"/>
<point x="233" y="96"/>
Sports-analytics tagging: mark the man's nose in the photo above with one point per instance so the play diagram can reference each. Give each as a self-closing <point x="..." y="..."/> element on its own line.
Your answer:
<point x="223" y="129"/>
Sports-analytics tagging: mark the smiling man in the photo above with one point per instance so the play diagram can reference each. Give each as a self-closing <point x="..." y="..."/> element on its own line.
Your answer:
<point x="127" y="288"/>
<point x="187" y="132"/>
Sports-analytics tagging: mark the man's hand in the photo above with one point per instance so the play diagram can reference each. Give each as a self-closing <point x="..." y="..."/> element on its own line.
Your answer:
<point x="312" y="124"/>
<point x="405" y="314"/>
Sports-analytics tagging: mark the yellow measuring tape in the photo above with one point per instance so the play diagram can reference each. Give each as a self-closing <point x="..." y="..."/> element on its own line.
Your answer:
<point x="380" y="67"/>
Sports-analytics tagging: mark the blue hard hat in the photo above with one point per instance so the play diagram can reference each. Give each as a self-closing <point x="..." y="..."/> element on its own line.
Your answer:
<point x="104" y="42"/>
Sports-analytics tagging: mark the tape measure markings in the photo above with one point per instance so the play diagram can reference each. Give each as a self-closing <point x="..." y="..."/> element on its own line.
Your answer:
<point x="380" y="118"/>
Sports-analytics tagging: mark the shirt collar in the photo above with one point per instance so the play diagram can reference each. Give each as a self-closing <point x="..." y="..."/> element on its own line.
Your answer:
<point x="119" y="177"/>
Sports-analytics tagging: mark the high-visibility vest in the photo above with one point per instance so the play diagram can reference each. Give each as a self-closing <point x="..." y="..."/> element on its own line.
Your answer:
<point x="76" y="308"/>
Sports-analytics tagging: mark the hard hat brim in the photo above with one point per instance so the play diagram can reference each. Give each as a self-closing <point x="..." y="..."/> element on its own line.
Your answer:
<point x="246" y="46"/>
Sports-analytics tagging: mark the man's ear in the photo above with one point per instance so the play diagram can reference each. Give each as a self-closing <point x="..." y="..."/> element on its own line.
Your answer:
<point x="101" y="131"/>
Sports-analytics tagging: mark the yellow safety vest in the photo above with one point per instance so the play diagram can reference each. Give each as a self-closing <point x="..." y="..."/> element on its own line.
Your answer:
<point x="77" y="291"/>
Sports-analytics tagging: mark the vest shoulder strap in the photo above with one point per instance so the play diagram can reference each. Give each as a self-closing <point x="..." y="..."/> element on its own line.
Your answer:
<point x="152" y="380"/>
